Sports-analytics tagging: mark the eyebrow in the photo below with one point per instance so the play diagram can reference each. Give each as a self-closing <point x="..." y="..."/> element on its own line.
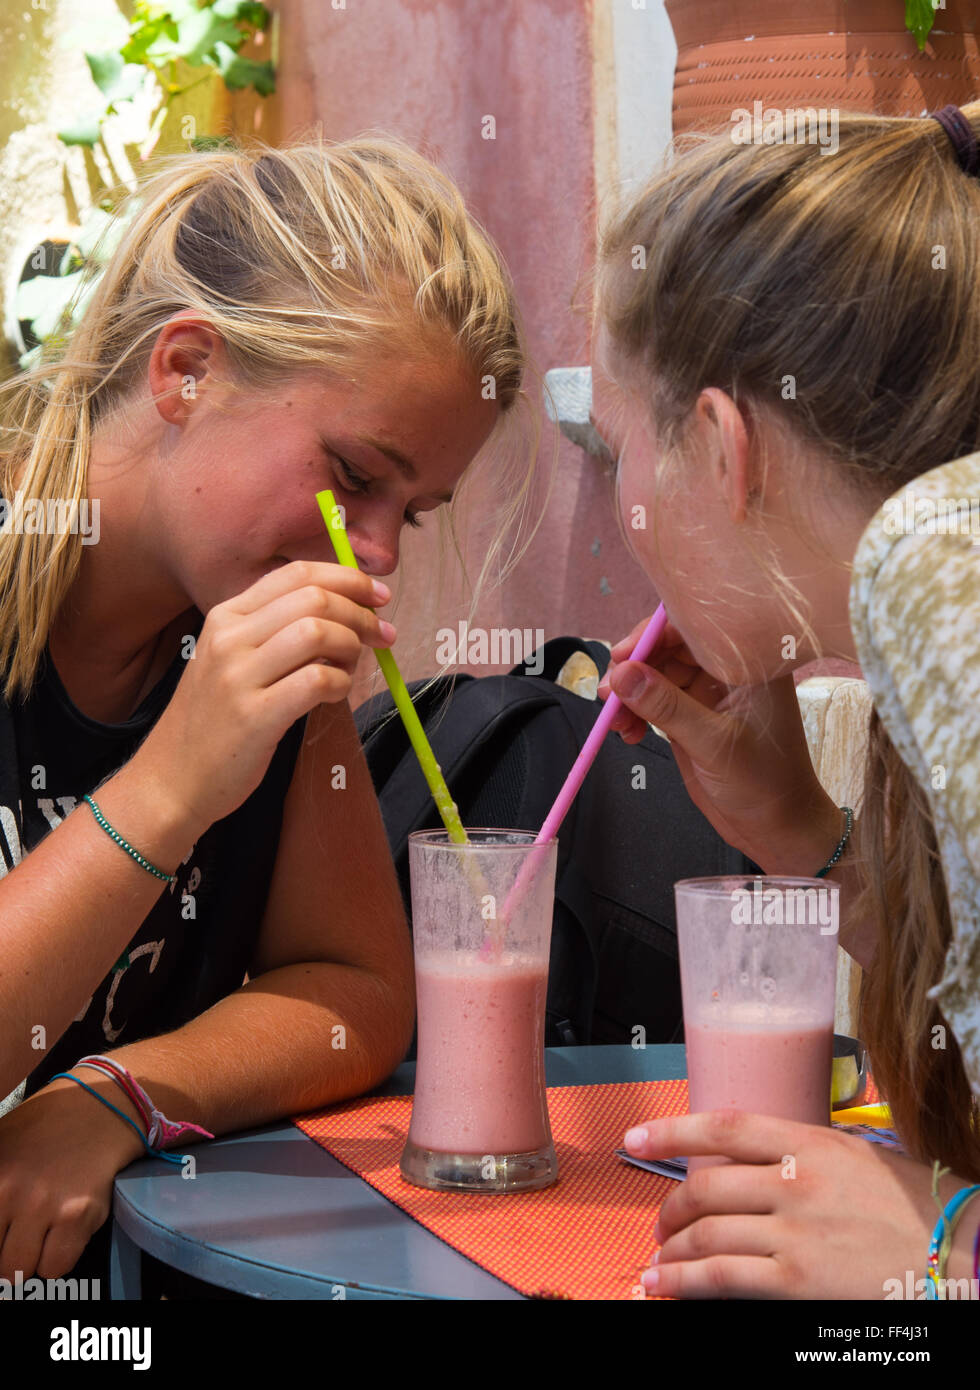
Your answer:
<point x="403" y="464"/>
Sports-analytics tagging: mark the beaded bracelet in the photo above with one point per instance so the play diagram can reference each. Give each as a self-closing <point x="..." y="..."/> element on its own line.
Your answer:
<point x="114" y="835"/>
<point x="159" y="1130"/>
<point x="942" y="1240"/>
<point x="154" y="1153"/>
<point x="848" y="823"/>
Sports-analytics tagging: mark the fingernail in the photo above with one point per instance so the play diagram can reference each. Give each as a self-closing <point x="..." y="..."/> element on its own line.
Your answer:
<point x="635" y="1138"/>
<point x="387" y="631"/>
<point x="381" y="591"/>
<point x="630" y="681"/>
<point x="650" y="1278"/>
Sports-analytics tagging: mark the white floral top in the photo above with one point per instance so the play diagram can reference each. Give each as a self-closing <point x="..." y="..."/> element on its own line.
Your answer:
<point x="915" y="615"/>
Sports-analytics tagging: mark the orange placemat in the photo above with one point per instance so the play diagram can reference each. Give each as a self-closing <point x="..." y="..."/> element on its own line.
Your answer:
<point x="601" y="1208"/>
<point x="589" y="1235"/>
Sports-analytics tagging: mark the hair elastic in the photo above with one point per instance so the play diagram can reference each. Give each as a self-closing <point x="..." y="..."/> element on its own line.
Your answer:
<point x="962" y="137"/>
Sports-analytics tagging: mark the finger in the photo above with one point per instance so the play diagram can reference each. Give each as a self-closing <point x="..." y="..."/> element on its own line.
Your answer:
<point x="303" y="642"/>
<point x="625" y="645"/>
<point x="22" y="1246"/>
<point x="669" y="640"/>
<point x="736" y="1134"/>
<point x="64" y="1245"/>
<point x="718" y="1276"/>
<point x="742" y="1233"/>
<point x="360" y="588"/>
<point x="725" y="1190"/>
<point x="312" y="601"/>
<point x="703" y="733"/>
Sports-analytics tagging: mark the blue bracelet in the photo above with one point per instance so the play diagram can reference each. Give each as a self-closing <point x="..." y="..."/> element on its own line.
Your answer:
<point x="944" y="1231"/>
<point x="154" y="1153"/>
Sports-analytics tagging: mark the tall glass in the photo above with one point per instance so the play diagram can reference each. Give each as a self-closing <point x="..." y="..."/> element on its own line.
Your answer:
<point x="758" y="959"/>
<point x="480" y="1111"/>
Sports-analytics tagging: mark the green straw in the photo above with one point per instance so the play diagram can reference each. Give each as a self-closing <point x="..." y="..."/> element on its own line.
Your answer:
<point x="403" y="701"/>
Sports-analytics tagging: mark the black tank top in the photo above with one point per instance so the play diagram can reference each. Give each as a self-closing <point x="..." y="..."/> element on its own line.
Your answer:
<point x="195" y="945"/>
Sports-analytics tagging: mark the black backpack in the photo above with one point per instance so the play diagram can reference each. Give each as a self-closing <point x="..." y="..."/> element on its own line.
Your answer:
<point x="505" y="745"/>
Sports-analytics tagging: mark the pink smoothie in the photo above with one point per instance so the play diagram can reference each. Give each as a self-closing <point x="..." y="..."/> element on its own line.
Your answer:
<point x="479" y="1081"/>
<point x="782" y="1069"/>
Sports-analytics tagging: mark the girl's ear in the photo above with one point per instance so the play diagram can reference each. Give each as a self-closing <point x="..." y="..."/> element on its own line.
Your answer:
<point x="728" y="448"/>
<point x="184" y="353"/>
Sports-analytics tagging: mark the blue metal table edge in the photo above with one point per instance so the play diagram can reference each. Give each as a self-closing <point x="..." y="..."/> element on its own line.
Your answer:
<point x="134" y="1231"/>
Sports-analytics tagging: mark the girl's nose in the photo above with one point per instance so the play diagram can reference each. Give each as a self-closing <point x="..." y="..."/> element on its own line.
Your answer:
<point x="376" y="549"/>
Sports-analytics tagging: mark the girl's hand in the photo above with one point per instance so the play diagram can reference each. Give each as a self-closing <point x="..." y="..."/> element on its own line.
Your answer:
<point x="263" y="659"/>
<point x="60" y="1151"/>
<point x="741" y="751"/>
<point x="804" y="1211"/>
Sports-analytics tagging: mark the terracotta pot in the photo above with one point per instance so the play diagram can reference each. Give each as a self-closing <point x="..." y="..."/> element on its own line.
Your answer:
<point x="848" y="55"/>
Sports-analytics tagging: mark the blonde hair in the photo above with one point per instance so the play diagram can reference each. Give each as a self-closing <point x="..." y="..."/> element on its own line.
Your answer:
<point x="740" y="266"/>
<point x="299" y="257"/>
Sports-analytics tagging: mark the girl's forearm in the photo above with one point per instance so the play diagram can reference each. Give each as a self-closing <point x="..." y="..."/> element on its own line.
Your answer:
<point x="291" y="1040"/>
<point x="72" y="904"/>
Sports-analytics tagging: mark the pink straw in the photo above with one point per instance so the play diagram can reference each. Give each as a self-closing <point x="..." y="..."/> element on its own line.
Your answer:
<point x="648" y="640"/>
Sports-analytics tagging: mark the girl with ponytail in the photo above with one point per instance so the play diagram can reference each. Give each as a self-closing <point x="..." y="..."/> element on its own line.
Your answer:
<point x="184" y="803"/>
<point x="789" y="372"/>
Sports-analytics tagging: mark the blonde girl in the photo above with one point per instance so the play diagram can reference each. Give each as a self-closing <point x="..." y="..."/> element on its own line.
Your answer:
<point x="272" y="322"/>
<point x="790" y="344"/>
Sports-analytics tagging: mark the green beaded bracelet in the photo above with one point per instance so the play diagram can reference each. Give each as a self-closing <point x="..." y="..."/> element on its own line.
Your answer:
<point x="849" y="821"/>
<point x="114" y="835"/>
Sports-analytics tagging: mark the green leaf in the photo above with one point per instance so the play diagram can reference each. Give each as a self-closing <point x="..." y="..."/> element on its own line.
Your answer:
<point x="202" y="31"/>
<point x="143" y="37"/>
<point x="243" y="72"/>
<point x="86" y="132"/>
<point x="919" y="19"/>
<point x="244" y="11"/>
<point x="116" y="80"/>
<point x="44" y="300"/>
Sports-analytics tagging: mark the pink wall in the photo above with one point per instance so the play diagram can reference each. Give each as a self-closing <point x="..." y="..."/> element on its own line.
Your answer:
<point x="429" y="71"/>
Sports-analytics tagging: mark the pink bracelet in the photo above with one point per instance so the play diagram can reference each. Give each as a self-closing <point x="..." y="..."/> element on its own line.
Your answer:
<point x="159" y="1130"/>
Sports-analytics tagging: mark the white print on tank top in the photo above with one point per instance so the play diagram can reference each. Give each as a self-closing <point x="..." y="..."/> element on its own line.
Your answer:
<point x="153" y="949"/>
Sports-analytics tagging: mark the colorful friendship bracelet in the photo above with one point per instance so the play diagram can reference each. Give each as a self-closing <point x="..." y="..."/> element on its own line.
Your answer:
<point x="848" y="823"/>
<point x="159" y="1130"/>
<point x="123" y="1084"/>
<point x="114" y="835"/>
<point x="942" y="1240"/>
<point x="154" y="1153"/>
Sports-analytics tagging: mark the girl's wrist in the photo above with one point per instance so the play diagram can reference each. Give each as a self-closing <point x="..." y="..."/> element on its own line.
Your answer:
<point x="116" y="1139"/>
<point x="802" y="848"/>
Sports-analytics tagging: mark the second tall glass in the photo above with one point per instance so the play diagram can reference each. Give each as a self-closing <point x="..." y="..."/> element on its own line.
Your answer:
<point x="480" y="1113"/>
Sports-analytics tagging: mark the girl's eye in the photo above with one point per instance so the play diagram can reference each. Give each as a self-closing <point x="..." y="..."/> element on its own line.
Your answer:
<point x="355" y="483"/>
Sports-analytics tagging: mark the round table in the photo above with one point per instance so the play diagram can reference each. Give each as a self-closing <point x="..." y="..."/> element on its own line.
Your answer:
<point x="270" y="1214"/>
